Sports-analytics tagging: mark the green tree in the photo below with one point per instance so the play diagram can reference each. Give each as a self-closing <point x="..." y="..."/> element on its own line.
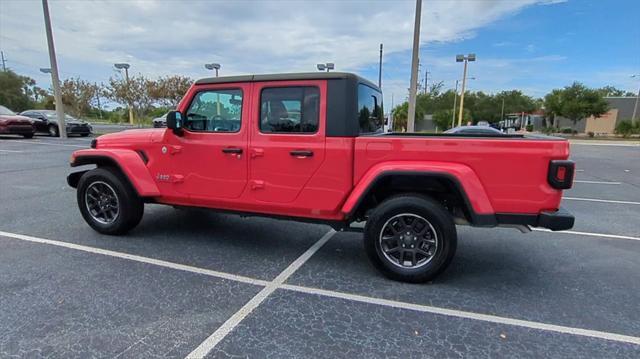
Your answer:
<point x="611" y="91"/>
<point x="168" y="91"/>
<point x="15" y="91"/>
<point x="79" y="96"/>
<point x="577" y="101"/>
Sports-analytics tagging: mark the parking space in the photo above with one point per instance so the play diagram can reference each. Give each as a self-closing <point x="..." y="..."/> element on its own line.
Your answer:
<point x="178" y="282"/>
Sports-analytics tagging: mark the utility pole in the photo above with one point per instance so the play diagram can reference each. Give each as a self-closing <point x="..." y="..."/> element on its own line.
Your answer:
<point x="635" y="107"/>
<point x="4" y="66"/>
<point x="411" y="116"/>
<point x="380" y="69"/>
<point x="466" y="59"/>
<point x="502" y="112"/>
<point x="426" y="77"/>
<point x="55" y="79"/>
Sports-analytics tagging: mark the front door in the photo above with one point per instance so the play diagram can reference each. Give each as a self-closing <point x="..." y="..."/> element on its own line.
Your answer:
<point x="287" y="144"/>
<point x="211" y="160"/>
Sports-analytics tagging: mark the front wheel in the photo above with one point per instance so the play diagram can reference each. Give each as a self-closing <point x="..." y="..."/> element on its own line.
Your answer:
<point x="107" y="201"/>
<point x="410" y="238"/>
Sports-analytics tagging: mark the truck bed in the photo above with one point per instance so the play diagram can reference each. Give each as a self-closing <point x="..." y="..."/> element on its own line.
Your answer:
<point x="511" y="169"/>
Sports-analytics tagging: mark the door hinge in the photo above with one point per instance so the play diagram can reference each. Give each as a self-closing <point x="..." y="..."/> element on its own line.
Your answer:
<point x="257" y="184"/>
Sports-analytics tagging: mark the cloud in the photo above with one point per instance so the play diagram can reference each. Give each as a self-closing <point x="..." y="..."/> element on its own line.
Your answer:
<point x="162" y="37"/>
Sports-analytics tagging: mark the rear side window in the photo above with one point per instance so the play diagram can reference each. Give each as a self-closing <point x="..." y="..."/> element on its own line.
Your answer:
<point x="215" y="111"/>
<point x="370" y="114"/>
<point x="289" y="109"/>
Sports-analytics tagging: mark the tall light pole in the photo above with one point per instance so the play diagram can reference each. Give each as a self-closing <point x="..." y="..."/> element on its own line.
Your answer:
<point x="413" y="86"/>
<point x="328" y="66"/>
<point x="635" y="107"/>
<point x="455" y="98"/>
<point x="55" y="79"/>
<point x="380" y="69"/>
<point x="126" y="66"/>
<point x="215" y="66"/>
<point x="465" y="59"/>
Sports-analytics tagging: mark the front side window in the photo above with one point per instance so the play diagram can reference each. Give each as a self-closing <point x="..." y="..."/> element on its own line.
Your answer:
<point x="289" y="109"/>
<point x="215" y="111"/>
<point x="370" y="114"/>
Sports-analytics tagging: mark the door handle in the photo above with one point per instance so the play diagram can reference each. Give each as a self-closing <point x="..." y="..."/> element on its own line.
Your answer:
<point x="301" y="153"/>
<point x="235" y="150"/>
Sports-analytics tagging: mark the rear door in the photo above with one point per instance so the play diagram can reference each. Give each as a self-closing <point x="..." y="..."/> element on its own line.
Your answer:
<point x="211" y="163"/>
<point x="287" y="143"/>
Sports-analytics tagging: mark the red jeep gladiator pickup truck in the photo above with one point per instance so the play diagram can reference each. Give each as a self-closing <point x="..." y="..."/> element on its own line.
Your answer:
<point x="310" y="147"/>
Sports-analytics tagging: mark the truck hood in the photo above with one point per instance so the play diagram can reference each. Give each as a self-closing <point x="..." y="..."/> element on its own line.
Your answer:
<point x="129" y="138"/>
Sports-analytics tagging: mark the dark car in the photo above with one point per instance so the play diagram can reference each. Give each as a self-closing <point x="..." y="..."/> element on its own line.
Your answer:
<point x="160" y="122"/>
<point x="13" y="124"/>
<point x="46" y="121"/>
<point x="475" y="130"/>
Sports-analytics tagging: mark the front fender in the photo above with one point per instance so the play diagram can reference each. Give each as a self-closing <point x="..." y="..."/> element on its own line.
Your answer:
<point x="128" y="161"/>
<point x="463" y="175"/>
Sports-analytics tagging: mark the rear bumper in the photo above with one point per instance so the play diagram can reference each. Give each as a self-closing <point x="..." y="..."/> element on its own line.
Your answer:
<point x="554" y="220"/>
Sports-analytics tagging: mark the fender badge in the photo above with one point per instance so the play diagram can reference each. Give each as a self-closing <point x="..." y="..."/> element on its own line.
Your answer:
<point x="164" y="150"/>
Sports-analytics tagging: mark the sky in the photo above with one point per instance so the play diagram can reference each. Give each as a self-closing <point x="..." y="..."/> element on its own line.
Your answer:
<point x="531" y="45"/>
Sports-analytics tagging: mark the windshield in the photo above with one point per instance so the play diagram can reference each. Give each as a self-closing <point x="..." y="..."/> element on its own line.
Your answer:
<point x="6" y="111"/>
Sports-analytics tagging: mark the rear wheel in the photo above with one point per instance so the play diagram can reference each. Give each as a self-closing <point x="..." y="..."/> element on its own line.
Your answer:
<point x="107" y="201"/>
<point x="53" y="131"/>
<point x="410" y="238"/>
<point x="28" y="135"/>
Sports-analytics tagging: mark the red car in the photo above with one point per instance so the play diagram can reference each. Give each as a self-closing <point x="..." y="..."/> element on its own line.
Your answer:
<point x="12" y="124"/>
<point x="310" y="147"/>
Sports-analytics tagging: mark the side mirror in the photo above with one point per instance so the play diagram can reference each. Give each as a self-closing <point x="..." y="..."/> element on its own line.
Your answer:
<point x="175" y="122"/>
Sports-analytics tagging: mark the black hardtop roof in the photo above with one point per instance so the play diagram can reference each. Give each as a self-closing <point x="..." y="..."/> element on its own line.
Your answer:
<point x="285" y="77"/>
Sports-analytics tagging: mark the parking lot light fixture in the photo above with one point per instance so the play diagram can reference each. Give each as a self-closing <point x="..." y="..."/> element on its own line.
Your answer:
<point x="328" y="66"/>
<point x="213" y="66"/>
<point x="45" y="70"/>
<point x="125" y="66"/>
<point x="465" y="59"/>
<point x="455" y="98"/>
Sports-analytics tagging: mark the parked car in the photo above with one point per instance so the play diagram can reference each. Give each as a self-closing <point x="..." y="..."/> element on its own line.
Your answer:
<point x="474" y="131"/>
<point x="46" y="121"/>
<point x="13" y="124"/>
<point x="311" y="147"/>
<point x="160" y="122"/>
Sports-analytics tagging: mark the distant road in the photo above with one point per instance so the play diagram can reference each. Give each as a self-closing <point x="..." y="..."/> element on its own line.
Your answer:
<point x="102" y="128"/>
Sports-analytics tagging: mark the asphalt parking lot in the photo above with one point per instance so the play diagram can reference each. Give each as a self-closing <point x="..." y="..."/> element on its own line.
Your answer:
<point x="195" y="283"/>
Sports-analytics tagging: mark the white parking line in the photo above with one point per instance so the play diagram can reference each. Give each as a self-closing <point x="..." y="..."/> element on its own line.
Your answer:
<point x="133" y="257"/>
<point x="604" y="144"/>
<point x="278" y="283"/>
<point x="467" y="315"/>
<point x="11" y="151"/>
<point x="590" y="234"/>
<point x="596" y="182"/>
<point x="205" y="347"/>
<point x="599" y="200"/>
<point x="51" y="144"/>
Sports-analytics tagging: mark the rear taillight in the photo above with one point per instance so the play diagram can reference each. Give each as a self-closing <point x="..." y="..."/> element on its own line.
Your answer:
<point x="560" y="174"/>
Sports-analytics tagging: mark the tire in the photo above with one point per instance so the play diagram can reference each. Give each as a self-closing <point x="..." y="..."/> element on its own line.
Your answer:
<point x="130" y="206"/>
<point x="435" y="246"/>
<point x="53" y="131"/>
<point x="84" y="135"/>
<point x="28" y="135"/>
